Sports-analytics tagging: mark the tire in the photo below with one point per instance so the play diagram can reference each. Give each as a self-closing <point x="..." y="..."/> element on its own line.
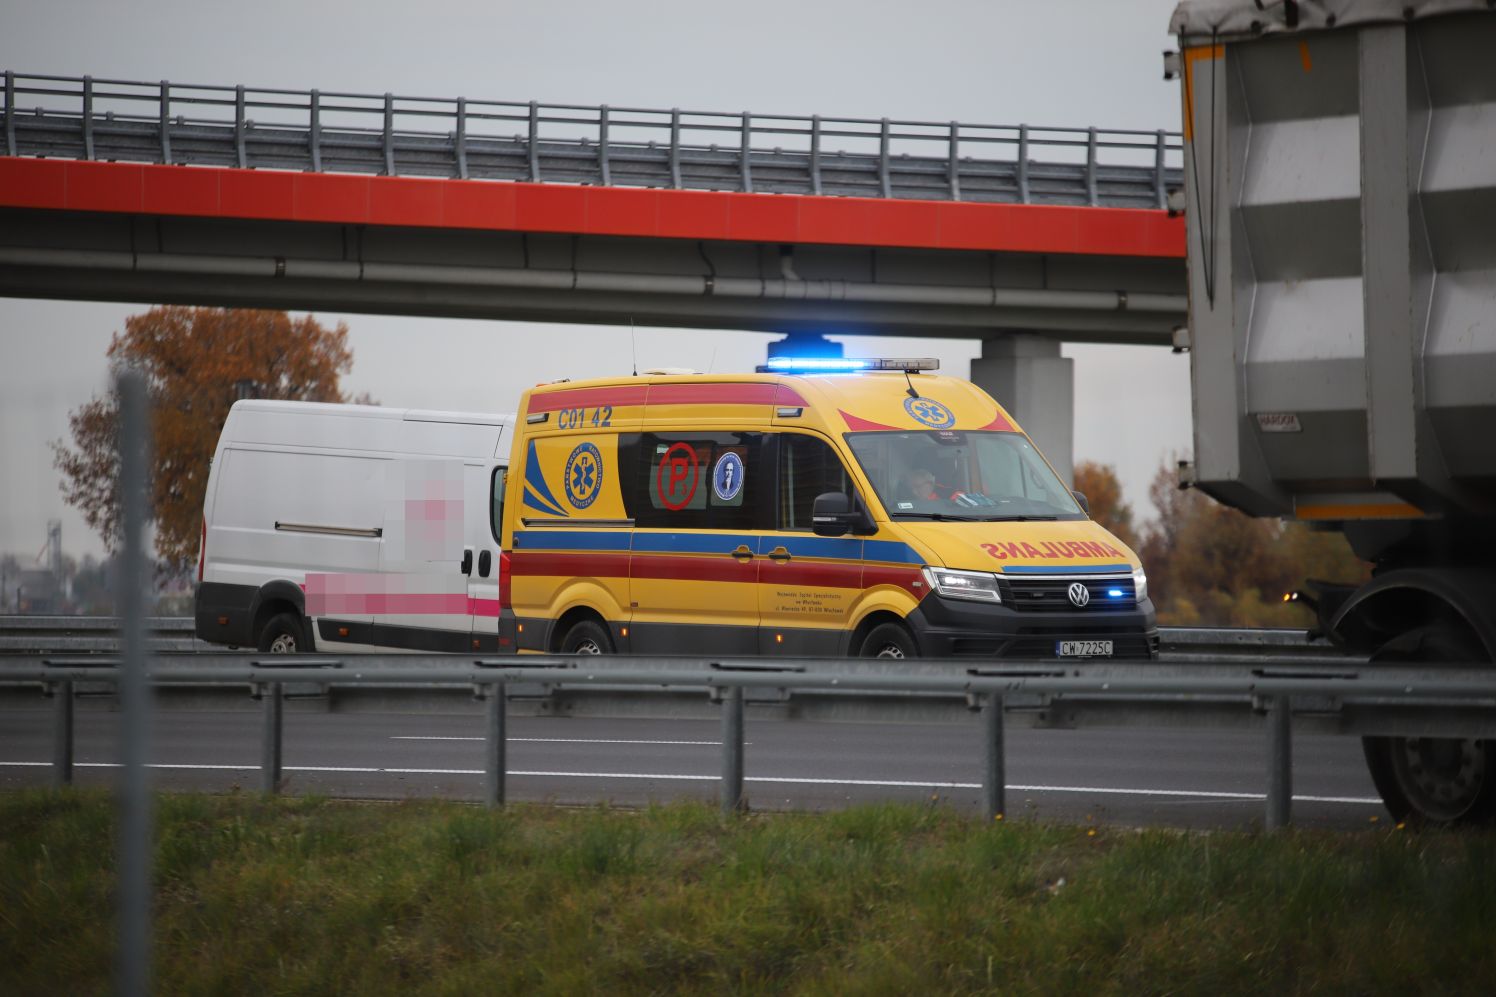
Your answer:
<point x="283" y="634"/>
<point x="587" y="637"/>
<point x="889" y="640"/>
<point x="1433" y="781"/>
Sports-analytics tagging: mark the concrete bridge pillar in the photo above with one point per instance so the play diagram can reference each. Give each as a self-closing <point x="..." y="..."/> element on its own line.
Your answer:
<point x="1029" y="378"/>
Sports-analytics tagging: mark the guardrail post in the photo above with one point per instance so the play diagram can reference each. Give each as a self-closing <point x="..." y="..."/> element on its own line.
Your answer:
<point x="815" y="153"/>
<point x="88" y="138"/>
<point x="675" y="148"/>
<point x="62" y="735"/>
<point x="602" y="146"/>
<point x="732" y="750"/>
<point x="314" y="140"/>
<point x="10" y="113"/>
<point x="1160" y="193"/>
<point x="995" y="787"/>
<point x="462" y="167"/>
<point x="165" y="109"/>
<point x="389" y="134"/>
<point x="1023" y="164"/>
<point x="1279" y="763"/>
<point x="955" y="162"/>
<point x="1091" y="167"/>
<point x="270" y="740"/>
<point x="884" y="175"/>
<point x="243" y="157"/>
<point x="747" y="135"/>
<point x="534" y="142"/>
<point x="494" y="748"/>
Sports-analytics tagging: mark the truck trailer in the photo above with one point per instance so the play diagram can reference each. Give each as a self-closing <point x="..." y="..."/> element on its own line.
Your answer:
<point x="1340" y="198"/>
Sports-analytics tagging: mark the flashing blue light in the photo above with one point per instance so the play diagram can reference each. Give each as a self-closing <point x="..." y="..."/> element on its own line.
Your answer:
<point x="824" y="364"/>
<point x="1115" y="593"/>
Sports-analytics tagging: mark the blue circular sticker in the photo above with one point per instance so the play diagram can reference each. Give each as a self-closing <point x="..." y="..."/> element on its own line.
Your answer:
<point x="727" y="477"/>
<point x="930" y="412"/>
<point x="584" y="475"/>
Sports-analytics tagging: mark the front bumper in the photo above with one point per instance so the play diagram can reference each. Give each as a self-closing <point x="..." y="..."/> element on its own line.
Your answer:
<point x="957" y="628"/>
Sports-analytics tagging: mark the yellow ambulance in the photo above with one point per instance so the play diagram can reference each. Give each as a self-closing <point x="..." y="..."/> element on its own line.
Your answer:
<point x="817" y="507"/>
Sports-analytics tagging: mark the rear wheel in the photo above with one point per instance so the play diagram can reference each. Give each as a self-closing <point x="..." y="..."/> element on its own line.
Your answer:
<point x="587" y="637"/>
<point x="889" y="640"/>
<point x="1433" y="780"/>
<point x="282" y="634"/>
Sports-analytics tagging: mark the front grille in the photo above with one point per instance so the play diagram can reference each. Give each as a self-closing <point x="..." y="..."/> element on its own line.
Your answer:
<point x="1050" y="593"/>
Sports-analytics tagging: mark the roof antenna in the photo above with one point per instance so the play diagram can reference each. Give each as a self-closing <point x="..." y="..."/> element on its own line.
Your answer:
<point x="634" y="345"/>
<point x="712" y="363"/>
<point x="911" y="392"/>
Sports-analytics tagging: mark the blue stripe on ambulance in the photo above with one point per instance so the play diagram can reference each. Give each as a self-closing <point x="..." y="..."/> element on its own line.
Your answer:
<point x="645" y="542"/>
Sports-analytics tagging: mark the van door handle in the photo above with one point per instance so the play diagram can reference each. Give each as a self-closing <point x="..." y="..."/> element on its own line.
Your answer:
<point x="485" y="563"/>
<point x="467" y="561"/>
<point x="743" y="553"/>
<point x="779" y="554"/>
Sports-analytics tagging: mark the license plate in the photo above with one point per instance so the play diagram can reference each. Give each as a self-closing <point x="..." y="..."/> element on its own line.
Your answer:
<point x="1083" y="648"/>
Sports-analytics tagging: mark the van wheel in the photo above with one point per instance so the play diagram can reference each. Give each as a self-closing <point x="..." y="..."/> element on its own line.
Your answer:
<point x="587" y="637"/>
<point x="282" y="635"/>
<point x="889" y="640"/>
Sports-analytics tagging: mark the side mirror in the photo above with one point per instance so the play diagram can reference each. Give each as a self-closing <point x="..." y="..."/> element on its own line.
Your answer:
<point x="1080" y="497"/>
<point x="834" y="515"/>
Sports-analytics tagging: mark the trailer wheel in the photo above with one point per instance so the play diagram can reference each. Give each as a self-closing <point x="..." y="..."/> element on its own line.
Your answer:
<point x="1433" y="780"/>
<point x="587" y="637"/>
<point x="282" y="635"/>
<point x="889" y="640"/>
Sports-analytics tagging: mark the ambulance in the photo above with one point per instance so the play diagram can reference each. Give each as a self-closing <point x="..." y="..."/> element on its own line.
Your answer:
<point x="846" y="507"/>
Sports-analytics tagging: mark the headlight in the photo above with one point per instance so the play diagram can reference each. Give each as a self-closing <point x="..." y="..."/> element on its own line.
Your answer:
<point x="979" y="586"/>
<point x="1140" y="583"/>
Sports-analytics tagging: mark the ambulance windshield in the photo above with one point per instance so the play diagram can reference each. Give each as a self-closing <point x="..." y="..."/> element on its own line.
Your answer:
<point x="949" y="474"/>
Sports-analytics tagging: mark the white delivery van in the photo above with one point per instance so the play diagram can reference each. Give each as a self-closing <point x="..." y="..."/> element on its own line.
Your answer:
<point x="353" y="528"/>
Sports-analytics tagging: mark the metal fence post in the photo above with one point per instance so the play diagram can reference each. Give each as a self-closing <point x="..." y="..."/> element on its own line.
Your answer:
<point x="389" y="134"/>
<point x="675" y="148"/>
<point x="1160" y="191"/>
<point x="995" y="788"/>
<point x="732" y="750"/>
<point x="135" y="693"/>
<point x="815" y="153"/>
<point x="534" y="142"/>
<point x="1279" y="763"/>
<point x="495" y="762"/>
<point x="955" y="162"/>
<point x="239" y="126"/>
<point x="747" y="136"/>
<point x="1023" y="164"/>
<point x="602" y="146"/>
<point x="315" y="138"/>
<point x="1091" y="167"/>
<point x="462" y="166"/>
<point x="165" y="117"/>
<point x="88" y="142"/>
<point x="62" y="735"/>
<point x="884" y="176"/>
<point x="270" y="741"/>
<point x="10" y="113"/>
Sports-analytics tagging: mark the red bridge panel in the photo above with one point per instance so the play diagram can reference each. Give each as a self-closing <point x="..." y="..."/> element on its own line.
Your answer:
<point x="70" y="185"/>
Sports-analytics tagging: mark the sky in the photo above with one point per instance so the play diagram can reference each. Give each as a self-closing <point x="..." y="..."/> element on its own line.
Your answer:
<point x="1041" y="62"/>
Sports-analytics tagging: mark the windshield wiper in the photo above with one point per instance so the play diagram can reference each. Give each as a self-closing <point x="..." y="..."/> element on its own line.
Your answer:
<point x="1019" y="519"/>
<point x="939" y="517"/>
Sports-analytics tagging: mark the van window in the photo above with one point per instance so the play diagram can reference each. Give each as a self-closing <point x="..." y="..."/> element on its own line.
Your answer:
<point x="807" y="467"/>
<point x="496" y="503"/>
<point x="698" y="481"/>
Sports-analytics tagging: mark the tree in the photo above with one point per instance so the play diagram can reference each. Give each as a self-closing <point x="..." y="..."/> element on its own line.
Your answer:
<point x="1099" y="484"/>
<point x="196" y="361"/>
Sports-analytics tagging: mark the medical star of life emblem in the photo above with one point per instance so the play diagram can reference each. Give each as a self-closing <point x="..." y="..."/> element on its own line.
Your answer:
<point x="584" y="475"/>
<point x="1079" y="594"/>
<point x="930" y="412"/>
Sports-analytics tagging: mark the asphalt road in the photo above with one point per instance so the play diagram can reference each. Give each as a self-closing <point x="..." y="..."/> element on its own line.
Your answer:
<point x="1171" y="777"/>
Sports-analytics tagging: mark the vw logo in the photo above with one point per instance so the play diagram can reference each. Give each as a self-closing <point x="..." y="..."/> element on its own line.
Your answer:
<point x="1079" y="594"/>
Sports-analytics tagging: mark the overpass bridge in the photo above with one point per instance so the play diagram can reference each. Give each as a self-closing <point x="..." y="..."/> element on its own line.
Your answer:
<point x="1021" y="237"/>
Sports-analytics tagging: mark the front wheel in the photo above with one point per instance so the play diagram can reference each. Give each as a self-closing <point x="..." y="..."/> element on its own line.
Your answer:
<point x="889" y="640"/>
<point x="282" y="634"/>
<point x="1433" y="780"/>
<point x="587" y="637"/>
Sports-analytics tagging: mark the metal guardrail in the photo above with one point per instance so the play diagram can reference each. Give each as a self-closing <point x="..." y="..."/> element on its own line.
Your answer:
<point x="326" y="131"/>
<point x="1458" y="701"/>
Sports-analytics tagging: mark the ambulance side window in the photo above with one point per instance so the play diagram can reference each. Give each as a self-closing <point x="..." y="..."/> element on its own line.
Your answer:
<point x="808" y="466"/>
<point x="698" y="481"/>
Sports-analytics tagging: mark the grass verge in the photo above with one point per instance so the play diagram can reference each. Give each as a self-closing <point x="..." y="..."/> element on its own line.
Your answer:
<point x="307" y="895"/>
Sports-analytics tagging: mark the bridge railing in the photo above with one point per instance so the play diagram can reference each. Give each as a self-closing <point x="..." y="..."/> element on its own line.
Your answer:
<point x="331" y="131"/>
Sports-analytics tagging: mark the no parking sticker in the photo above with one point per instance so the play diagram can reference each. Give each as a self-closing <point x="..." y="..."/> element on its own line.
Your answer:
<point x="677" y="476"/>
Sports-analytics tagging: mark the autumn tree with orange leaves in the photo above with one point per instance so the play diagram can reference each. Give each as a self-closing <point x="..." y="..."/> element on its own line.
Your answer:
<point x="196" y="361"/>
<point x="1103" y="492"/>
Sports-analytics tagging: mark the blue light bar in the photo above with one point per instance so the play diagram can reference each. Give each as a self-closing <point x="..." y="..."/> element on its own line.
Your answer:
<point x="842" y="365"/>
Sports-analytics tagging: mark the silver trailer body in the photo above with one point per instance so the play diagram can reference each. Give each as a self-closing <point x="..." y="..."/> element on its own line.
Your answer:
<point x="1340" y="192"/>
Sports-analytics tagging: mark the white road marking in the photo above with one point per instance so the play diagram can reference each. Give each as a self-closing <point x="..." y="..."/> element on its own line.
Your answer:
<point x="788" y="780"/>
<point x="553" y="740"/>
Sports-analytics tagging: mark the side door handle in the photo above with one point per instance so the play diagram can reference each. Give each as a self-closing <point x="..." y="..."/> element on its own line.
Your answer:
<point x="485" y="563"/>
<point x="743" y="553"/>
<point x="467" y="561"/>
<point x="779" y="554"/>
